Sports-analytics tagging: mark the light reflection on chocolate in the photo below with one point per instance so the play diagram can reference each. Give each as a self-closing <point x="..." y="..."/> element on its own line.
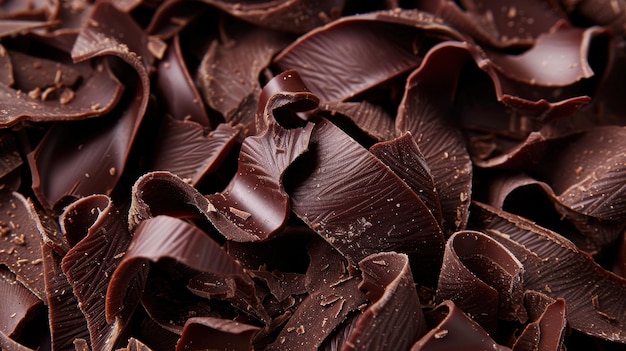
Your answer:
<point x="304" y="175"/>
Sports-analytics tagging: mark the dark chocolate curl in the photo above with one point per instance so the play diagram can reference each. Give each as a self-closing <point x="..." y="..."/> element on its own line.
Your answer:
<point x="21" y="240"/>
<point x="190" y="151"/>
<point x="453" y="330"/>
<point x="395" y="319"/>
<point x="206" y="333"/>
<point x="555" y="267"/>
<point x="10" y="162"/>
<point x="319" y="314"/>
<point x="177" y="89"/>
<point x="17" y="305"/>
<point x="499" y="23"/>
<point x="357" y="204"/>
<point x="297" y="16"/>
<point x="286" y="90"/>
<point x="255" y="203"/>
<point x="353" y="54"/>
<point x="473" y="262"/>
<point x="67" y="322"/>
<point x="95" y="159"/>
<point x="229" y="72"/>
<point x="99" y="237"/>
<point x="404" y="157"/>
<point x="423" y="112"/>
<point x="164" y="237"/>
<point x="545" y="333"/>
<point x="372" y="119"/>
<point x="540" y="66"/>
<point x="94" y="97"/>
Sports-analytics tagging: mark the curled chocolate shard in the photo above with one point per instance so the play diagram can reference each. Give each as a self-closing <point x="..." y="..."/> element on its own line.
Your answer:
<point x="285" y="91"/>
<point x="168" y="238"/>
<point x="10" y="162"/>
<point x="35" y="10"/>
<point x="255" y="200"/>
<point x="18" y="306"/>
<point x="514" y="193"/>
<point x="190" y="151"/>
<point x="96" y="96"/>
<point x="109" y="138"/>
<point x="229" y="72"/>
<point x="21" y="240"/>
<point x="539" y="65"/>
<point x="32" y="72"/>
<point x="17" y="27"/>
<point x="404" y="157"/>
<point x="453" y="330"/>
<point x="357" y="204"/>
<point x="163" y="193"/>
<point x="296" y="16"/>
<point x="499" y="23"/>
<point x="423" y="112"/>
<point x="375" y="48"/>
<point x="67" y="322"/>
<point x="177" y="89"/>
<point x="555" y="267"/>
<point x="546" y="332"/>
<point x="98" y="237"/>
<point x="371" y="119"/>
<point x="204" y="333"/>
<point x="395" y="318"/>
<point x="475" y="262"/>
<point x="334" y="295"/>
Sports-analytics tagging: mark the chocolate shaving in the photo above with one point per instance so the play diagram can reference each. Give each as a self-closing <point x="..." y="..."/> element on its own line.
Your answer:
<point x="94" y="97"/>
<point x="499" y="23"/>
<point x="67" y="322"/>
<point x="229" y="72"/>
<point x="97" y="234"/>
<point x="18" y="305"/>
<point x="20" y="241"/>
<point x="176" y="87"/>
<point x="422" y="112"/>
<point x="369" y="118"/>
<point x="546" y="332"/>
<point x="453" y="330"/>
<point x="191" y="152"/>
<point x="404" y="157"/>
<point x="162" y="238"/>
<point x="395" y="318"/>
<point x="292" y="16"/>
<point x="357" y="209"/>
<point x="474" y="260"/>
<point x="213" y="333"/>
<point x="375" y="48"/>
<point x="580" y="281"/>
<point x="255" y="200"/>
<point x="318" y="315"/>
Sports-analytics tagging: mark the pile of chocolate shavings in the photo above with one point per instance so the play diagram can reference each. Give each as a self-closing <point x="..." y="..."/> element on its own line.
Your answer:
<point x="312" y="175"/>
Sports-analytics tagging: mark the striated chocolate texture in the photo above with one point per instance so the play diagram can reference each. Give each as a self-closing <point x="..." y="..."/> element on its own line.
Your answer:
<point x="359" y="214"/>
<point x="452" y="329"/>
<point x="385" y="41"/>
<point x="292" y="16"/>
<point x="190" y="151"/>
<point x="98" y="237"/>
<point x="546" y="331"/>
<point x="230" y="69"/>
<point x="591" y="292"/>
<point x="474" y="261"/>
<point x="298" y="175"/>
